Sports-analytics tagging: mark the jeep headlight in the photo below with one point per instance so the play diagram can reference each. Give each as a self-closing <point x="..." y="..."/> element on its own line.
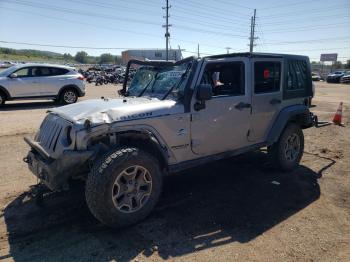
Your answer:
<point x="68" y="136"/>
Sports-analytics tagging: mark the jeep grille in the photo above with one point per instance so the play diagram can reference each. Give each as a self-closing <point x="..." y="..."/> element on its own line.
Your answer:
<point x="51" y="129"/>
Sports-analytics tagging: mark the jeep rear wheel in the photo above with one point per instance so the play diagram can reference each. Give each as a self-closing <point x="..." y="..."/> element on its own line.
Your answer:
<point x="68" y="96"/>
<point x="123" y="187"/>
<point x="287" y="152"/>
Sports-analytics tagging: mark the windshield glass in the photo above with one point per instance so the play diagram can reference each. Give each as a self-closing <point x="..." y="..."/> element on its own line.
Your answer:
<point x="159" y="81"/>
<point x="7" y="71"/>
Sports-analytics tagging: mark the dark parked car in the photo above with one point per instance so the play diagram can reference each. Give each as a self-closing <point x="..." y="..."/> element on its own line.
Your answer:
<point x="345" y="78"/>
<point x="315" y="77"/>
<point x="335" y="77"/>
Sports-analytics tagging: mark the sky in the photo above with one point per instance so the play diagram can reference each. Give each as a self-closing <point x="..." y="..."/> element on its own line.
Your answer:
<point x="308" y="27"/>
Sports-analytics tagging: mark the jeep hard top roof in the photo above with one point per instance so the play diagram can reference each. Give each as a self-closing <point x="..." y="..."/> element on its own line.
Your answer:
<point x="258" y="55"/>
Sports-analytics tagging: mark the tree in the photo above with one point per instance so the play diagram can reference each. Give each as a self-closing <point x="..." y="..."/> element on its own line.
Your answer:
<point x="67" y="57"/>
<point x="348" y="64"/>
<point x="338" y="65"/>
<point x="106" y="58"/>
<point x="81" y="57"/>
<point x="118" y="60"/>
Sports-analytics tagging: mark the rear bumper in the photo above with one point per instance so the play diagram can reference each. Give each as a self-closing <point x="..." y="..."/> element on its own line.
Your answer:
<point x="81" y="92"/>
<point x="55" y="172"/>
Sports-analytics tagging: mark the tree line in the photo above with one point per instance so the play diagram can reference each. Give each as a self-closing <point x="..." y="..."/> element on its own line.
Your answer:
<point x="80" y="57"/>
<point x="106" y="58"/>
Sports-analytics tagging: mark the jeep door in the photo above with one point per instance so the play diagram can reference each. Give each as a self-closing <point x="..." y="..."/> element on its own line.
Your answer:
<point x="266" y="96"/>
<point x="224" y="122"/>
<point x="25" y="84"/>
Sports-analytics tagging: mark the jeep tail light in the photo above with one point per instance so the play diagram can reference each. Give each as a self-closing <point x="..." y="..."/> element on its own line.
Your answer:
<point x="81" y="78"/>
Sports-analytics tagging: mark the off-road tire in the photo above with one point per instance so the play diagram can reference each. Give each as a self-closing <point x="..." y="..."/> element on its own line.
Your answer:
<point x="277" y="150"/>
<point x="66" y="91"/>
<point x="101" y="179"/>
<point x="2" y="98"/>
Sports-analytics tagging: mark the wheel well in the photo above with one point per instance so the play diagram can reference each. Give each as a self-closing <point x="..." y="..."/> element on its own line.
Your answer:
<point x="146" y="142"/>
<point x="142" y="140"/>
<point x="4" y="92"/>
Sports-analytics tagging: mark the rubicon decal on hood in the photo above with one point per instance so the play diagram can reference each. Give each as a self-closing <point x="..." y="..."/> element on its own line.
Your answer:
<point x="134" y="116"/>
<point x="99" y="111"/>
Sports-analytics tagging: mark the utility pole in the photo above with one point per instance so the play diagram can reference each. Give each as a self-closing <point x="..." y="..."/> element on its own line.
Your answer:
<point x="198" y="51"/>
<point x="167" y="25"/>
<point x="228" y="49"/>
<point x="252" y="32"/>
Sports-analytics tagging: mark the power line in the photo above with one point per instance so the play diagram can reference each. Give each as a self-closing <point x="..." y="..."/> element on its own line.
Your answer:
<point x="303" y="12"/>
<point x="69" y="46"/>
<point x="202" y="6"/>
<point x="105" y="27"/>
<point x="309" y="18"/>
<point x="297" y="29"/>
<point x="309" y="40"/>
<point x="65" y="10"/>
<point x="287" y="5"/>
<point x="208" y="15"/>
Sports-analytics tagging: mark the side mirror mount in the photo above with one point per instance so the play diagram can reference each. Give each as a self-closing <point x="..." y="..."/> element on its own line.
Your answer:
<point x="204" y="92"/>
<point x="13" y="75"/>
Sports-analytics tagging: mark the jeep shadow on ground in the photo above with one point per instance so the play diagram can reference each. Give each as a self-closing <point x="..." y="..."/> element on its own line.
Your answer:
<point x="230" y="200"/>
<point x="29" y="105"/>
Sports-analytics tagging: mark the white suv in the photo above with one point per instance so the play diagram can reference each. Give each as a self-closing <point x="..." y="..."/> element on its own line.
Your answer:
<point x="32" y="81"/>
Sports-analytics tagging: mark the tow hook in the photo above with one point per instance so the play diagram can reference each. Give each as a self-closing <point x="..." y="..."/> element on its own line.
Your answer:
<point x="318" y="124"/>
<point x="26" y="160"/>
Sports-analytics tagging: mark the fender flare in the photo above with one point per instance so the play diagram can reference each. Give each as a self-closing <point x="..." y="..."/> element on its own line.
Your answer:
<point x="4" y="90"/>
<point x="288" y="114"/>
<point x="77" y="89"/>
<point x="153" y="139"/>
<point x="167" y="155"/>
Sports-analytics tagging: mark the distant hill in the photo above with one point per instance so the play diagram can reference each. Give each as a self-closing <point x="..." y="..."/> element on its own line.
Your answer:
<point x="33" y="55"/>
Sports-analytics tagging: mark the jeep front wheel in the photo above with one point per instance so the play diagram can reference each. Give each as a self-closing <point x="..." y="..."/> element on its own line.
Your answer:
<point x="123" y="187"/>
<point x="287" y="152"/>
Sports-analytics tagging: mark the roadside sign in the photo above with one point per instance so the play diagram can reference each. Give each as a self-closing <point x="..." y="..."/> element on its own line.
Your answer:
<point x="329" y="57"/>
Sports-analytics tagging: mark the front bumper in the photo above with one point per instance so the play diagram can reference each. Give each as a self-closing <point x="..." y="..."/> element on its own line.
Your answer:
<point x="56" y="172"/>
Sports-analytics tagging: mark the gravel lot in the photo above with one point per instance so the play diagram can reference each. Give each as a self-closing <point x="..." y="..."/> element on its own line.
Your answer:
<point x="225" y="211"/>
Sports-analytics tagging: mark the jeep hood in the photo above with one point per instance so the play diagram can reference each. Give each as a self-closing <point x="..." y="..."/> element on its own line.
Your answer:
<point x="99" y="111"/>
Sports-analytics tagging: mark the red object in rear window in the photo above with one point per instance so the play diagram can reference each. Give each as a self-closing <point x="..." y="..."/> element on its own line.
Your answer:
<point x="266" y="73"/>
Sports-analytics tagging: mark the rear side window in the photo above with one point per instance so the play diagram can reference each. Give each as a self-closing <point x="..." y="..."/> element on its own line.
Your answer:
<point x="58" y="71"/>
<point x="297" y="75"/>
<point x="267" y="77"/>
<point x="40" y="71"/>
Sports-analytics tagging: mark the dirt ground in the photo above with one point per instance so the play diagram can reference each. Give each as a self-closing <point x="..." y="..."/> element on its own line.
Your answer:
<point x="225" y="211"/>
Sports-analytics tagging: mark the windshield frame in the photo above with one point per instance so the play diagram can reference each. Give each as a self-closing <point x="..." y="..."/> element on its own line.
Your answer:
<point x="150" y="63"/>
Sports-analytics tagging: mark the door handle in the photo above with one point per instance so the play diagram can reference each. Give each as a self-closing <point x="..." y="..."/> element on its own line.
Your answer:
<point x="275" y="101"/>
<point x="242" y="105"/>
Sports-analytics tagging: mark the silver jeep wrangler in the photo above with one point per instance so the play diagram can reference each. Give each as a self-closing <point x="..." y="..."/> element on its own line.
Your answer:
<point x="171" y="117"/>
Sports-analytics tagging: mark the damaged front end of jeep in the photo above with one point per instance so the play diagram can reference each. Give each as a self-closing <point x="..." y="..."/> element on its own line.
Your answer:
<point x="64" y="149"/>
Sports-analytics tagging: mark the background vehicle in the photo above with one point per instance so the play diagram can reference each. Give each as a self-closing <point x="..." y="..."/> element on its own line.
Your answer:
<point x="174" y="116"/>
<point x="38" y="81"/>
<point x="315" y="77"/>
<point x="335" y="77"/>
<point x="345" y="78"/>
<point x="6" y="64"/>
